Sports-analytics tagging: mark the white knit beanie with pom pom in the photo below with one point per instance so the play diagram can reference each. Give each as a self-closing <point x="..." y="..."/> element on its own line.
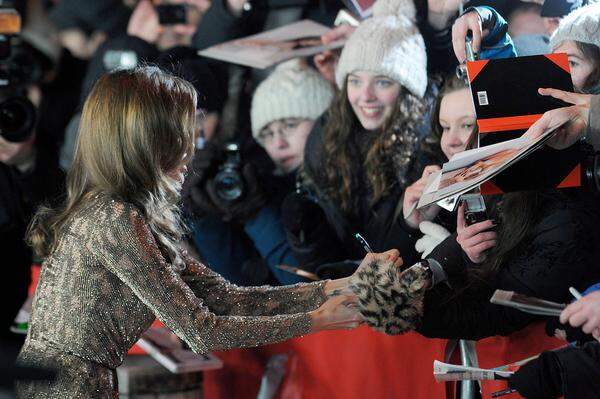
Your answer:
<point x="387" y="44"/>
<point x="293" y="90"/>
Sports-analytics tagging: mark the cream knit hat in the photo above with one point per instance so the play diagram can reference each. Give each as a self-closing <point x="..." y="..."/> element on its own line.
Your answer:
<point x="293" y="90"/>
<point x="581" y="25"/>
<point x="388" y="44"/>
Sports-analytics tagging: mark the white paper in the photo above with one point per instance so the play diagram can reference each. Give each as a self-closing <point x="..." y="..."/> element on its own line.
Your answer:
<point x="453" y="372"/>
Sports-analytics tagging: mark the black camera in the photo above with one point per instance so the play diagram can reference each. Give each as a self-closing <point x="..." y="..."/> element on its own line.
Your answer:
<point x="172" y="14"/>
<point x="19" y="67"/>
<point x="228" y="182"/>
<point x="475" y="210"/>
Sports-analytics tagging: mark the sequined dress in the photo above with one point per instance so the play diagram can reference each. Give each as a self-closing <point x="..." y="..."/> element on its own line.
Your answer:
<point x="107" y="281"/>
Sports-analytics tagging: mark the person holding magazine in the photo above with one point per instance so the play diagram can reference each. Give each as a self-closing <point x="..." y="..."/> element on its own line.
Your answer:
<point x="530" y="244"/>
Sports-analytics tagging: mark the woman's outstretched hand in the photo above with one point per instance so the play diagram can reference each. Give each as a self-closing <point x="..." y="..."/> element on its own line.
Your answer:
<point x="393" y="255"/>
<point x="341" y="286"/>
<point x="338" y="312"/>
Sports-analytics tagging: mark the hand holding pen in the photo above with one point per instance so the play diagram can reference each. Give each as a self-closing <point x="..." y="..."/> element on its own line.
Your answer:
<point x="584" y="313"/>
<point x="393" y="255"/>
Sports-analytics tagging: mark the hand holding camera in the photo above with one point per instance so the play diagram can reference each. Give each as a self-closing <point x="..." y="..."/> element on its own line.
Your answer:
<point x="475" y="239"/>
<point x="221" y="186"/>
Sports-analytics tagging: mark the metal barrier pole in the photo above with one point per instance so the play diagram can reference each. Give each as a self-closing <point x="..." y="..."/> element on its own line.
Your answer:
<point x="468" y="357"/>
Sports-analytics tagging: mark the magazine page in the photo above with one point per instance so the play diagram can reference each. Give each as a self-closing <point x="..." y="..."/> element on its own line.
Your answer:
<point x="527" y="304"/>
<point x="479" y="165"/>
<point x="167" y="349"/>
<point x="299" y="39"/>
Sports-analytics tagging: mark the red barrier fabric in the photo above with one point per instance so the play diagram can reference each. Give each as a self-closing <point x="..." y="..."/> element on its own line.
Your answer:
<point x="336" y="364"/>
<point x="497" y="351"/>
<point x="360" y="364"/>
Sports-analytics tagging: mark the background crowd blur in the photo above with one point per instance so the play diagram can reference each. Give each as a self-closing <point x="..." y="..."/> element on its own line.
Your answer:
<point x="291" y="162"/>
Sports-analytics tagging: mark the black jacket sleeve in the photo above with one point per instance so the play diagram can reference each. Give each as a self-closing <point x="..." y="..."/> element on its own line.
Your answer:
<point x="554" y="259"/>
<point x="572" y="372"/>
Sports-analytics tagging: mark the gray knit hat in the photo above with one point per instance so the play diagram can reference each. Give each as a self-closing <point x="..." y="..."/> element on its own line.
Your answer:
<point x="389" y="44"/>
<point x="581" y="25"/>
<point x="293" y="90"/>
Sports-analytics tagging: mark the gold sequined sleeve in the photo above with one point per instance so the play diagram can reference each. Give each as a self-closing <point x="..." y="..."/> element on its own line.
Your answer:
<point x="128" y="249"/>
<point x="225" y="298"/>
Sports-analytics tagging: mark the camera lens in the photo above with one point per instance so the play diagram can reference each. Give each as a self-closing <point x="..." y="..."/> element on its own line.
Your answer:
<point x="17" y="117"/>
<point x="229" y="185"/>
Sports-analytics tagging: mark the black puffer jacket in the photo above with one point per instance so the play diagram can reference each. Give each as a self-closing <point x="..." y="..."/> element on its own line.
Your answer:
<point x="381" y="224"/>
<point x="561" y="252"/>
<point x="570" y="372"/>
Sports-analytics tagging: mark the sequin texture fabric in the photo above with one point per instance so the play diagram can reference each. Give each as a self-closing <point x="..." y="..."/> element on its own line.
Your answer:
<point x="106" y="282"/>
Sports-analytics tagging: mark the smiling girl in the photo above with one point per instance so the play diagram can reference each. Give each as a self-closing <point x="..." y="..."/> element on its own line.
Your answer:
<point x="370" y="146"/>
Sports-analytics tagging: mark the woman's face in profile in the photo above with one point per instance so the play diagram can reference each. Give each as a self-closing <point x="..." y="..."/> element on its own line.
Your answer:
<point x="372" y="98"/>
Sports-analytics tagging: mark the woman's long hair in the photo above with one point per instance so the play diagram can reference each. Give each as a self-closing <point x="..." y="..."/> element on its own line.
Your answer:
<point x="517" y="214"/>
<point x="136" y="126"/>
<point x="340" y="177"/>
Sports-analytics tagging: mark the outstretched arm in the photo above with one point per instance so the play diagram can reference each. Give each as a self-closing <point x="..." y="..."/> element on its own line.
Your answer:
<point x="129" y="250"/>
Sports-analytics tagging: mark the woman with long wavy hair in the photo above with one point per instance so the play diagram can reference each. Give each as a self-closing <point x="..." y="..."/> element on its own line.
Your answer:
<point x="112" y="256"/>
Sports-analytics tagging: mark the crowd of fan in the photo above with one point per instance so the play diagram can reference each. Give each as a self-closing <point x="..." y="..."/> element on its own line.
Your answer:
<point x="333" y="145"/>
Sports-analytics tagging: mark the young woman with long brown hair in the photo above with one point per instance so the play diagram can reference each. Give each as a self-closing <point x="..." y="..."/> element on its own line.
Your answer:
<point x="112" y="256"/>
<point x="370" y="146"/>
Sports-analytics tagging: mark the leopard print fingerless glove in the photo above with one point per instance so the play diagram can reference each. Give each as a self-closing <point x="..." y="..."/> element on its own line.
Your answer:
<point x="390" y="301"/>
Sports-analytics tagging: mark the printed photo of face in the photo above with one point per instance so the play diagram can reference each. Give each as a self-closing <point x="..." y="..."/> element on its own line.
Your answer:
<point x="477" y="169"/>
<point x="294" y="44"/>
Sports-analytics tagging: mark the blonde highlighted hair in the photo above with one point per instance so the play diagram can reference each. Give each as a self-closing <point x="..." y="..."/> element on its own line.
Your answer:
<point x="136" y="129"/>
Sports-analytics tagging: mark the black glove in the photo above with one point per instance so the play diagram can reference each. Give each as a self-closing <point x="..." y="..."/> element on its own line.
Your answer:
<point x="337" y="270"/>
<point x="246" y="207"/>
<point x="449" y="255"/>
<point x="538" y="379"/>
<point x="573" y="334"/>
<point x="205" y="165"/>
<point x="300" y="213"/>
